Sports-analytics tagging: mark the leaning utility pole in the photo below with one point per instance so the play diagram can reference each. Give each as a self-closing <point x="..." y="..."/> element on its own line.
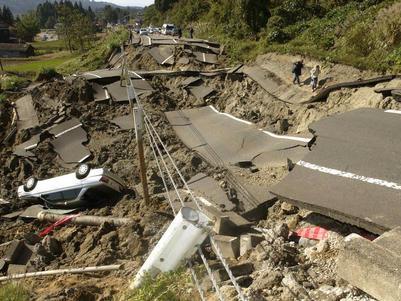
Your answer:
<point x="137" y="113"/>
<point x="138" y="119"/>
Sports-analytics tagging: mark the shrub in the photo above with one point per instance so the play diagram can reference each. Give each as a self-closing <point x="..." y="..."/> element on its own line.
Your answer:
<point x="387" y="26"/>
<point x="12" y="82"/>
<point x="13" y="292"/>
<point x="47" y="74"/>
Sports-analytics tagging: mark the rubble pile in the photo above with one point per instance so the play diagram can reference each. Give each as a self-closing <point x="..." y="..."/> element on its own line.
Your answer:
<point x="270" y="260"/>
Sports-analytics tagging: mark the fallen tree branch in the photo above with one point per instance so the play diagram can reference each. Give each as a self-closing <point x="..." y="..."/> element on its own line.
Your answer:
<point x="63" y="271"/>
<point x="87" y="220"/>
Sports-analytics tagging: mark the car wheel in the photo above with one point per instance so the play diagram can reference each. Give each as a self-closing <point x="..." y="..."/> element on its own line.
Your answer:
<point x="82" y="171"/>
<point x="30" y="184"/>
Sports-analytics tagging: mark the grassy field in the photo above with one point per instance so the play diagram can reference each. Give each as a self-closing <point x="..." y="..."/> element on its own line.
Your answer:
<point x="42" y="47"/>
<point x="49" y="55"/>
<point x="30" y="67"/>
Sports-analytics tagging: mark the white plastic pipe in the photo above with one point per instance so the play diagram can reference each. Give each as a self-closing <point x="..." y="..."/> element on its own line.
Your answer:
<point x="63" y="271"/>
<point x="181" y="240"/>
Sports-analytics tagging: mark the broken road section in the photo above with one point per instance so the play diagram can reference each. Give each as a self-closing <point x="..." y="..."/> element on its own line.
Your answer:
<point x="352" y="174"/>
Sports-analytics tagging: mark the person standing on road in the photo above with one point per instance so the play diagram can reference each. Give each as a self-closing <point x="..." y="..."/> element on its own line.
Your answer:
<point x="179" y="33"/>
<point x="297" y="71"/>
<point x="314" y="75"/>
<point x="130" y="36"/>
<point x="191" y="32"/>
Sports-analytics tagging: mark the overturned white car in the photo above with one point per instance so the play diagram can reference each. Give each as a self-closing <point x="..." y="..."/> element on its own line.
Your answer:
<point x="80" y="189"/>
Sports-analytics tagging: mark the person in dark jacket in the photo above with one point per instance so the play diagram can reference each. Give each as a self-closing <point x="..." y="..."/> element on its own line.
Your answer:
<point x="179" y="32"/>
<point x="191" y="32"/>
<point x="297" y="71"/>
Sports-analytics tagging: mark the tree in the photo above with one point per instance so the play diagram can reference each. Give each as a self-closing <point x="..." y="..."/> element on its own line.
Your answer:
<point x="27" y="27"/>
<point x="164" y="5"/>
<point x="7" y="16"/>
<point x="75" y="27"/>
<point x="256" y="13"/>
<point x="110" y="14"/>
<point x="47" y="14"/>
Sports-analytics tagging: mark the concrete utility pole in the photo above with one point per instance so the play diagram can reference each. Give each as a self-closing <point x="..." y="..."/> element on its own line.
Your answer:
<point x="138" y="119"/>
<point x="137" y="114"/>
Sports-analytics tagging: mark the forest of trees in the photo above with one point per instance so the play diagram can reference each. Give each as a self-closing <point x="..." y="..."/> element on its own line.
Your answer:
<point x="75" y="23"/>
<point x="6" y="16"/>
<point x="242" y="18"/>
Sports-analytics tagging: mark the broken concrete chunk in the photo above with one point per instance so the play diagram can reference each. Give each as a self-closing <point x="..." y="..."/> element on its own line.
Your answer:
<point x="23" y="149"/>
<point x="190" y="81"/>
<point x="207" y="58"/>
<point x="371" y="268"/>
<point x="100" y="93"/>
<point x="124" y="122"/>
<point x="249" y="241"/>
<point x="27" y="117"/>
<point x="15" y="269"/>
<point x="391" y="241"/>
<point x="119" y="92"/>
<point x="201" y="92"/>
<point x="69" y="146"/>
<point x="183" y="61"/>
<point x="13" y="251"/>
<point x="229" y="246"/>
<point x="164" y="55"/>
<point x="210" y="189"/>
<point x="237" y="270"/>
<point x="65" y="127"/>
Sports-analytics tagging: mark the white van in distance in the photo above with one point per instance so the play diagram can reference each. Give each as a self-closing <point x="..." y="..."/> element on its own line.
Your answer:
<point x="168" y="29"/>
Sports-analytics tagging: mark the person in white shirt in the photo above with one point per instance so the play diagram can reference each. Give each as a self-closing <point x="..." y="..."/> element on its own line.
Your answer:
<point x="314" y="75"/>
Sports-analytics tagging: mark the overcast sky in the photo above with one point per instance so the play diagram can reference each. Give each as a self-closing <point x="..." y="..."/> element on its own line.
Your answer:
<point x="131" y="2"/>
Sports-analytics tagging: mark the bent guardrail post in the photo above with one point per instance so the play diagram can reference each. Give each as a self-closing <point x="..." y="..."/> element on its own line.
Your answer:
<point x="181" y="240"/>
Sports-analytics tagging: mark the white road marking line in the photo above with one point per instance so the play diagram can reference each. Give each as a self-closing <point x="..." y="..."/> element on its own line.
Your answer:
<point x="349" y="175"/>
<point x="84" y="158"/>
<point x="306" y="140"/>
<point x="137" y="75"/>
<point x="393" y="111"/>
<point x="29" y="147"/>
<point x="300" y="139"/>
<point x="167" y="59"/>
<point x="95" y="75"/>
<point x="68" y="130"/>
<point x="230" y="116"/>
<point x="204" y="57"/>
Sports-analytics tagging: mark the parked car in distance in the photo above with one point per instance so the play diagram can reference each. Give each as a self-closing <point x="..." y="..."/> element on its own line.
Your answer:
<point x="83" y="188"/>
<point x="156" y="30"/>
<point x="168" y="29"/>
<point x="143" y="32"/>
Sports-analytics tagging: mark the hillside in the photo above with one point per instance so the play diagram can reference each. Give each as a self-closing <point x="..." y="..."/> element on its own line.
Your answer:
<point x="22" y="6"/>
<point x="362" y="33"/>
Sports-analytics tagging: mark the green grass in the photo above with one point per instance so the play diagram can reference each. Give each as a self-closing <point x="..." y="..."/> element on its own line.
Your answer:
<point x="32" y="66"/>
<point x="49" y="46"/>
<point x="13" y="292"/>
<point x="173" y="286"/>
<point x="12" y="82"/>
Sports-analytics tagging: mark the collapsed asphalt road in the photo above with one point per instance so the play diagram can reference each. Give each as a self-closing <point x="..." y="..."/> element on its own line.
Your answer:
<point x="280" y="265"/>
